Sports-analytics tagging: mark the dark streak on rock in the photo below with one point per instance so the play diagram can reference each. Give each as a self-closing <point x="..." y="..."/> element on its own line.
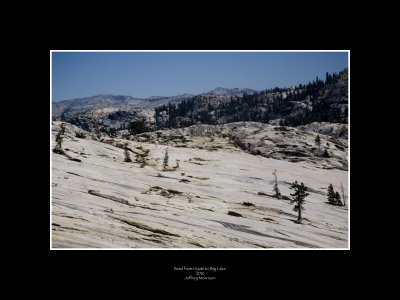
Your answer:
<point x="145" y="227"/>
<point x="243" y="228"/>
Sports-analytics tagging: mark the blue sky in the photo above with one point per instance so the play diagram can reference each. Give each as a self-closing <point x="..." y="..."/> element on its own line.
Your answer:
<point x="145" y="74"/>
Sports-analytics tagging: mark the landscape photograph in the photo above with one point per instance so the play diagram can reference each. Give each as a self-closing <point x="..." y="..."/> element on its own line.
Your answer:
<point x="199" y="150"/>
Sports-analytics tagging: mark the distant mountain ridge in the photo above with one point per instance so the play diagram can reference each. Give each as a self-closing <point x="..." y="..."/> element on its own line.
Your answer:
<point x="318" y="101"/>
<point x="219" y="91"/>
<point x="80" y="105"/>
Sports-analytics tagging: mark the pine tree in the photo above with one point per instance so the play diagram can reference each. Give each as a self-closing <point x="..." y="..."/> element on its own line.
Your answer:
<point x="59" y="139"/>
<point x="338" y="201"/>
<point x="298" y="197"/>
<point x="334" y="197"/>
<point x="137" y="127"/>
<point x="276" y="189"/>
<point x="325" y="154"/>
<point x="165" y="162"/>
<point x="59" y="136"/>
<point x="318" y="141"/>
<point x="331" y="195"/>
<point x="112" y="132"/>
<point x="327" y="79"/>
<point x="127" y="156"/>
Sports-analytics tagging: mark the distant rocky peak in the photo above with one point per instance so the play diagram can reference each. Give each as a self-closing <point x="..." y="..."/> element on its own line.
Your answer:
<point x="231" y="92"/>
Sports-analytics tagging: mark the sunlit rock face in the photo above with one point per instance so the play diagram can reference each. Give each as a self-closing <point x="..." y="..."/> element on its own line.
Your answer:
<point x="216" y="190"/>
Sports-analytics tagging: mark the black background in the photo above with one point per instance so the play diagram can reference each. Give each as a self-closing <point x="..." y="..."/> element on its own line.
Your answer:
<point x="283" y="272"/>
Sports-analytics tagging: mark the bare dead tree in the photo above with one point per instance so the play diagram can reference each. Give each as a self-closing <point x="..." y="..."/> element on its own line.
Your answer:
<point x="276" y="189"/>
<point x="343" y="196"/>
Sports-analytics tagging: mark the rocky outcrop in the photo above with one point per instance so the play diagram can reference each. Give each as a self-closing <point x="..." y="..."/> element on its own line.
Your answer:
<point x="293" y="144"/>
<point x="107" y="118"/>
<point x="333" y="130"/>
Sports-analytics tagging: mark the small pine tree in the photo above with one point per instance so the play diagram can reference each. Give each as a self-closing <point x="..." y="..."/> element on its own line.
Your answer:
<point x="338" y="201"/>
<point x="331" y="195"/>
<point x="59" y="136"/>
<point x="318" y="141"/>
<point x="127" y="156"/>
<point x="276" y="189"/>
<point x="112" y="132"/>
<point x="142" y="162"/>
<point x="325" y="154"/>
<point x="298" y="197"/>
<point x="165" y="162"/>
<point x="59" y="139"/>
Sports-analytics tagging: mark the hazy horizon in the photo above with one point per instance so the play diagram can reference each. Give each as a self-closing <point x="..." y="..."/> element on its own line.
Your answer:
<point x="168" y="74"/>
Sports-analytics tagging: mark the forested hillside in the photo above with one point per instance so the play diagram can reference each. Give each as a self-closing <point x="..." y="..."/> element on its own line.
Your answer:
<point x="318" y="101"/>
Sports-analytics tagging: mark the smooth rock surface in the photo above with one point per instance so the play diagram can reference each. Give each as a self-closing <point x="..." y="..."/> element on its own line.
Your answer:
<point x="104" y="202"/>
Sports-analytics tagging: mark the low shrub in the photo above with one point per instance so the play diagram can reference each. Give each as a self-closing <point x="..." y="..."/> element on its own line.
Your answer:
<point x="80" y="135"/>
<point x="58" y="150"/>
